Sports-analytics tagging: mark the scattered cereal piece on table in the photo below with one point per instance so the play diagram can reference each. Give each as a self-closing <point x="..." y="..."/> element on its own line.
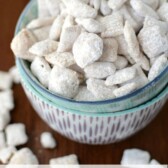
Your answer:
<point x="5" y="80"/>
<point x="15" y="74"/>
<point x="23" y="156"/>
<point x="6" y="154"/>
<point x="47" y="140"/>
<point x="66" y="160"/>
<point x="16" y="134"/>
<point x="135" y="157"/>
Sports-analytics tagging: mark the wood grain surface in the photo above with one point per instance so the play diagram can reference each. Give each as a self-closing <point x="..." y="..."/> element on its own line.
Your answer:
<point x="154" y="138"/>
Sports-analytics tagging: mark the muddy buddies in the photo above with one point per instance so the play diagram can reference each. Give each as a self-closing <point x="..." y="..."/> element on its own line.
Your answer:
<point x="91" y="50"/>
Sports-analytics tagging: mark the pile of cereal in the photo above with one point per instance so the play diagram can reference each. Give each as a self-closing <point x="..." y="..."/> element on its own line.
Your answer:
<point x="91" y="50"/>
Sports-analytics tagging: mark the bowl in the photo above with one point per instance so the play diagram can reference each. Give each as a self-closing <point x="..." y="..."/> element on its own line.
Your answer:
<point x="129" y="101"/>
<point x="94" y="128"/>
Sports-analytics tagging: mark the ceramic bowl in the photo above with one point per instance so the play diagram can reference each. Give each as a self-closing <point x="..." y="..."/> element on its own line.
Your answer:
<point x="94" y="128"/>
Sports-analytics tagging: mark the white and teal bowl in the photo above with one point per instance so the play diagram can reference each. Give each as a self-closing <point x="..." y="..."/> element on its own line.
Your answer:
<point x="94" y="128"/>
<point x="100" y="122"/>
<point x="113" y="105"/>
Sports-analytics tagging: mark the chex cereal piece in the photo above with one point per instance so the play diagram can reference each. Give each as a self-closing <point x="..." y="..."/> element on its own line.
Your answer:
<point x="152" y="3"/>
<point x="155" y="162"/>
<point x="123" y="48"/>
<point x="113" y="25"/>
<point x="47" y="140"/>
<point x="139" y="19"/>
<point x="65" y="59"/>
<point x="143" y="9"/>
<point x="41" y="33"/>
<point x="15" y="74"/>
<point x="21" y="44"/>
<point x="159" y="65"/>
<point x="53" y="6"/>
<point x="68" y="37"/>
<point x="104" y="8"/>
<point x="110" y="49"/>
<point x="135" y="157"/>
<point x="128" y="17"/>
<point x="44" y="47"/>
<point x="140" y="79"/>
<point x="80" y="9"/>
<point x="64" y="81"/>
<point x="87" y="49"/>
<point x="149" y="22"/>
<point x="153" y="41"/>
<point x="6" y="100"/>
<point x="84" y="95"/>
<point x="99" y="70"/>
<point x="56" y="28"/>
<point x="113" y="4"/>
<point x="99" y="89"/>
<point x="163" y="11"/>
<point x="69" y="21"/>
<point x="121" y="62"/>
<point x="125" y="89"/>
<point x="121" y="76"/>
<point x="16" y="135"/>
<point x="66" y="160"/>
<point x="40" y="22"/>
<point x="132" y="42"/>
<point x="5" y="80"/>
<point x="41" y="69"/>
<point x="23" y="156"/>
<point x="6" y="154"/>
<point x="90" y="25"/>
<point x="5" y="118"/>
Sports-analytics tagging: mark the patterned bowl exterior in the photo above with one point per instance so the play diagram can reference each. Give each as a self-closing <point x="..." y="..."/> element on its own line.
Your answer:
<point x="92" y="128"/>
<point x="126" y="102"/>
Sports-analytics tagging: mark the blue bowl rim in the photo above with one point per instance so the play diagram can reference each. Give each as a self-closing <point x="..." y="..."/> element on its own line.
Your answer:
<point x="156" y="99"/>
<point x="53" y="95"/>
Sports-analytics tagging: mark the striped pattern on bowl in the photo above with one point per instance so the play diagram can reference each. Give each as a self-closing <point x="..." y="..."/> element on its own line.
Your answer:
<point x="91" y="128"/>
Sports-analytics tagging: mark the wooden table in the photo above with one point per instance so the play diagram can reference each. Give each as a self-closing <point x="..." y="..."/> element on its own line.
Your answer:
<point x="154" y="138"/>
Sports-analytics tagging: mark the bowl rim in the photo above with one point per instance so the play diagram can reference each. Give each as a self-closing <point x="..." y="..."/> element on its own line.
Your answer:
<point x="57" y="96"/>
<point x="156" y="99"/>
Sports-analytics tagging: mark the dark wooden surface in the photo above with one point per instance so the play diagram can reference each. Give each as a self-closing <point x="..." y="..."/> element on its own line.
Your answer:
<point x="154" y="138"/>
